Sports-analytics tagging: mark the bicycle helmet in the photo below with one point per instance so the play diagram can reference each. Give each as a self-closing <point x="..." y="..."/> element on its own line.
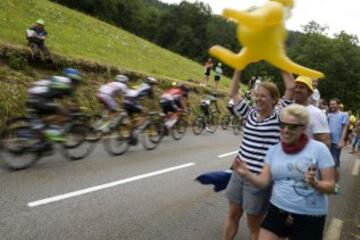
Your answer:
<point x="122" y="79"/>
<point x="184" y="89"/>
<point x="73" y="74"/>
<point x="151" y="80"/>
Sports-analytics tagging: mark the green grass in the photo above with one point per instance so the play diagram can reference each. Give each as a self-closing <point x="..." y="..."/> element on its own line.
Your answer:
<point x="77" y="35"/>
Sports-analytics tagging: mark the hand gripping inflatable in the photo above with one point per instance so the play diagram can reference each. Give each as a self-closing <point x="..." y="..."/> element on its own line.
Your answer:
<point x="262" y="34"/>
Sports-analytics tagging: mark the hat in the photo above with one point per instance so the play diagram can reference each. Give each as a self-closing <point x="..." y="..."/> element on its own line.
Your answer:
<point x="305" y="80"/>
<point x="40" y="22"/>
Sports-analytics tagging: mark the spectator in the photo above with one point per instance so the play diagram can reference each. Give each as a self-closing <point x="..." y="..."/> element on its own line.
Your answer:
<point x="315" y="97"/>
<point x="356" y="138"/>
<point x="338" y="123"/>
<point x="323" y="106"/>
<point x="218" y="73"/>
<point x="302" y="172"/>
<point x="352" y="122"/>
<point x="260" y="132"/>
<point x="207" y="71"/>
<point x="258" y="81"/>
<point x="318" y="127"/>
<point x="36" y="36"/>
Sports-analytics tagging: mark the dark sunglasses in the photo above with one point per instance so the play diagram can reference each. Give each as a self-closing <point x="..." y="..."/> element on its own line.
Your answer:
<point x="290" y="126"/>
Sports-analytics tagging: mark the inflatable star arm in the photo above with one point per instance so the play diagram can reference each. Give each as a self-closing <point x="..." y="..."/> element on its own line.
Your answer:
<point x="236" y="61"/>
<point x="243" y="17"/>
<point x="284" y="63"/>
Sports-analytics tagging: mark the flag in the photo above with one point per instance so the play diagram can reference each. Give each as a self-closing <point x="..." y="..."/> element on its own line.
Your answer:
<point x="219" y="179"/>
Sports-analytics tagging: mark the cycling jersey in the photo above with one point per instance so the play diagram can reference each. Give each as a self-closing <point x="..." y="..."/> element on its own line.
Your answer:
<point x="54" y="88"/>
<point x="42" y="94"/>
<point x="132" y="97"/>
<point x="208" y="101"/>
<point x="108" y="91"/>
<point x="113" y="88"/>
<point x="171" y="100"/>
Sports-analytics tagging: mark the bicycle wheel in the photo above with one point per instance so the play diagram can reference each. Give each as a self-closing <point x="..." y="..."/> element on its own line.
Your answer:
<point x="213" y="123"/>
<point x="76" y="145"/>
<point x="17" y="147"/>
<point x="179" y="130"/>
<point x="151" y="135"/>
<point x="237" y="126"/>
<point x="94" y="123"/>
<point x="225" y="121"/>
<point x="198" y="125"/>
<point x="117" y="142"/>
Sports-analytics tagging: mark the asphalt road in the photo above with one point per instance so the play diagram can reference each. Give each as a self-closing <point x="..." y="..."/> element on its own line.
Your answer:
<point x="149" y="194"/>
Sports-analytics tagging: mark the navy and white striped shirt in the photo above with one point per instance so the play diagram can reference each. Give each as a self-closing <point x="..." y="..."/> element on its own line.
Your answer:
<point x="258" y="136"/>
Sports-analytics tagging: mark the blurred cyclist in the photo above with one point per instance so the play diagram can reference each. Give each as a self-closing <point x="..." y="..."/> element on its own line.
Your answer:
<point x="173" y="102"/>
<point x="205" y="107"/>
<point x="107" y="93"/>
<point x="42" y="96"/>
<point x="133" y="106"/>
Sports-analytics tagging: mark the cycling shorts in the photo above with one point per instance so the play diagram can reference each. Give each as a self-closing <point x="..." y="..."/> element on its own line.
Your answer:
<point x="108" y="101"/>
<point x="132" y="108"/>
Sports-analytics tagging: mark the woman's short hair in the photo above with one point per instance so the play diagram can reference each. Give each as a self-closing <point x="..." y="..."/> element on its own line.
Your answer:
<point x="273" y="90"/>
<point x="298" y="111"/>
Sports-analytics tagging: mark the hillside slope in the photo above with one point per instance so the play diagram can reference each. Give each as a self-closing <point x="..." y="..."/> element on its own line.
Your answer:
<point x="77" y="35"/>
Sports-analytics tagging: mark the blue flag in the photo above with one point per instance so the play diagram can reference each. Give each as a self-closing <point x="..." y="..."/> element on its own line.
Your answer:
<point x="219" y="179"/>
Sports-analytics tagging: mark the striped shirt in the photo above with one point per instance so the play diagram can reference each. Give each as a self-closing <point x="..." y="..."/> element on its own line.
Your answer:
<point x="258" y="136"/>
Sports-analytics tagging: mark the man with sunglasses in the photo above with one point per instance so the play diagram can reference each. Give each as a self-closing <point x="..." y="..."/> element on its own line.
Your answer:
<point x="318" y="127"/>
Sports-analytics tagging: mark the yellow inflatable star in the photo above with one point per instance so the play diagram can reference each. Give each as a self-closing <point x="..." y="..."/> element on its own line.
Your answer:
<point x="262" y="34"/>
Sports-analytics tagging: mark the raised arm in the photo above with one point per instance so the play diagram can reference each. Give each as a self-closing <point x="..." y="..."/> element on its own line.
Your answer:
<point x="289" y="83"/>
<point x="234" y="91"/>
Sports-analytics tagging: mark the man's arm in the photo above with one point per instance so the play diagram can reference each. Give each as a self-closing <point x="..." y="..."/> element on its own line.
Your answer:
<point x="345" y="126"/>
<point x="289" y="83"/>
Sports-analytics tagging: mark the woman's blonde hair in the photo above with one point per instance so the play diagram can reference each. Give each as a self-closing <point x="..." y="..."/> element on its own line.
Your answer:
<point x="272" y="89"/>
<point x="298" y="111"/>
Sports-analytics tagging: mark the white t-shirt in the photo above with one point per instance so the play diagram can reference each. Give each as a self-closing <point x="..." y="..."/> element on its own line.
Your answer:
<point x="315" y="98"/>
<point x="257" y="83"/>
<point x="318" y="122"/>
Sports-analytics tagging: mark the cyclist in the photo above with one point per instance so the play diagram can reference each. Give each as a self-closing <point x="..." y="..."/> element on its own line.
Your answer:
<point x="205" y="107"/>
<point x="230" y="107"/>
<point x="107" y="93"/>
<point x="42" y="96"/>
<point x="173" y="101"/>
<point x="133" y="106"/>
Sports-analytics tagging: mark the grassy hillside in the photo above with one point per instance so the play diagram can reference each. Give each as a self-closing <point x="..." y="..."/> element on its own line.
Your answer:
<point x="77" y="35"/>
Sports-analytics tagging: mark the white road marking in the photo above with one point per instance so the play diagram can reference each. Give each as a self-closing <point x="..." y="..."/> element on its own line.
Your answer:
<point x="334" y="229"/>
<point x="106" y="185"/>
<point x="356" y="168"/>
<point x="227" y="154"/>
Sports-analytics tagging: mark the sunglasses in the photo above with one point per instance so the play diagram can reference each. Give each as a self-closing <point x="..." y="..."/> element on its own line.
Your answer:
<point x="290" y="126"/>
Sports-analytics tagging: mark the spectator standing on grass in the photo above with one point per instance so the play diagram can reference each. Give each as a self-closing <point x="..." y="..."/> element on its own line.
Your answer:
<point x="36" y="36"/>
<point x="218" y="73"/>
<point x="207" y="70"/>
